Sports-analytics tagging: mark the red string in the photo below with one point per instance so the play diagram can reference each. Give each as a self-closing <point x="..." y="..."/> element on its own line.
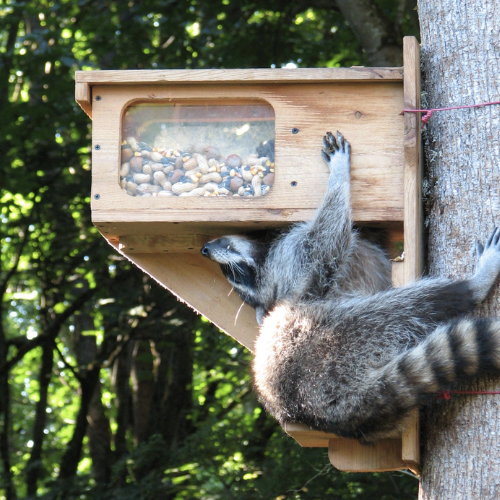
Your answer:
<point x="447" y="394"/>
<point x="428" y="112"/>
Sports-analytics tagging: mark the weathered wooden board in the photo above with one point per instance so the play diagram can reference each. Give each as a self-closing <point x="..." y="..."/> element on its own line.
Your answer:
<point x="367" y="114"/>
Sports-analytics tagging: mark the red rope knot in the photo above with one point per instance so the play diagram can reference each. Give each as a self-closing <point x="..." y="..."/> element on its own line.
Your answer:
<point x="443" y="395"/>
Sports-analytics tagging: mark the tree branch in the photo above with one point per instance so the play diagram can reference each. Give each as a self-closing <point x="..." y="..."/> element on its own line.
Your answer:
<point x="376" y="34"/>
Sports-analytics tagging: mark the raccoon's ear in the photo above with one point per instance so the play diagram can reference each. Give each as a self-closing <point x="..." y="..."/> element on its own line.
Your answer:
<point x="260" y="312"/>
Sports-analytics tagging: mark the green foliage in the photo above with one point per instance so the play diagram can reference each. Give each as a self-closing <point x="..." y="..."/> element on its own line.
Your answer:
<point x="84" y="336"/>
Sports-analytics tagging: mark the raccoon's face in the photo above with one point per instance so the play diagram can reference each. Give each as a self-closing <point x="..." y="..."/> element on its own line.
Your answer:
<point x="240" y="259"/>
<point x="235" y="255"/>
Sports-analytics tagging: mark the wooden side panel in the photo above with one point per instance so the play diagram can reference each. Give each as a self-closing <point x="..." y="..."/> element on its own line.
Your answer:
<point x="413" y="218"/>
<point x="169" y="243"/>
<point x="199" y="282"/>
<point x="351" y="456"/>
<point x="308" y="437"/>
<point x="367" y="114"/>
<point x="83" y="96"/>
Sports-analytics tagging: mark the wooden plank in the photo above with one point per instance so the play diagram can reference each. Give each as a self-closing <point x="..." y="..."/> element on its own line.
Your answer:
<point x="410" y="439"/>
<point x="245" y="76"/>
<point x="397" y="273"/>
<point x="307" y="437"/>
<point x="83" y="96"/>
<point x="351" y="456"/>
<point x="413" y="218"/>
<point x="230" y="217"/>
<point x="199" y="282"/>
<point x="368" y="116"/>
<point x="183" y="243"/>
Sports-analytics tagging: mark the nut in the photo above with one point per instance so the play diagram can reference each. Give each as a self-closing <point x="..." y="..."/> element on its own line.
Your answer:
<point x="124" y="169"/>
<point x="187" y="170"/>
<point x="234" y="161"/>
<point x="211" y="177"/>
<point x="159" y="178"/>
<point x="183" y="187"/>
<point x="256" y="183"/>
<point x="136" y="164"/>
<point x="195" y="192"/>
<point x="235" y="184"/>
<point x="202" y="162"/>
<point x="142" y="178"/>
<point x="156" y="157"/>
<point x="127" y="153"/>
<point x="133" y="143"/>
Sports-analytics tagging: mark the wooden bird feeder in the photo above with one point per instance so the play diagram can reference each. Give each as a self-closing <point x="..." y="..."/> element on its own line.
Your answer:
<point x="186" y="124"/>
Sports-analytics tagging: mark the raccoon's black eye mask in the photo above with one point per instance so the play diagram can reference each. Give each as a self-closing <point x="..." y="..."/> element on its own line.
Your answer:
<point x="239" y="274"/>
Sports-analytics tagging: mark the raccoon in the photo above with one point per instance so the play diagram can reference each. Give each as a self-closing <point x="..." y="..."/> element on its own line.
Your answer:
<point x="339" y="349"/>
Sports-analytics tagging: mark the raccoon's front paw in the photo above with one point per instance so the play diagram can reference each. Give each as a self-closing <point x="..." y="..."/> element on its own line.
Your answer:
<point x="336" y="153"/>
<point x="488" y="265"/>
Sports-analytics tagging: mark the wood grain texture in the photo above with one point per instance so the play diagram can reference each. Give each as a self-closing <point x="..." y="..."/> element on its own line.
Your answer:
<point x="83" y="96"/>
<point x="198" y="282"/>
<point x="351" y="456"/>
<point x="413" y="215"/>
<point x="238" y="76"/>
<point x="413" y="219"/>
<point x="367" y="114"/>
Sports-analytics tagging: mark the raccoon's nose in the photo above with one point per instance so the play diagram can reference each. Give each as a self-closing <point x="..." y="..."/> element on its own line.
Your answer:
<point x="205" y="251"/>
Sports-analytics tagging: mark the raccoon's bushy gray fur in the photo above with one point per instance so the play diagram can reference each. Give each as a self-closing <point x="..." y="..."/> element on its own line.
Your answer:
<point x="339" y="349"/>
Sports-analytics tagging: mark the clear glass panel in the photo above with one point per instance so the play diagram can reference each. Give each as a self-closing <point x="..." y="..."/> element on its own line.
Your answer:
<point x="198" y="150"/>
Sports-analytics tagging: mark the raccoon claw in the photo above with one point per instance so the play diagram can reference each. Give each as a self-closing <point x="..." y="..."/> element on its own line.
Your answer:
<point x="479" y="249"/>
<point x="260" y="312"/>
<point x="336" y="151"/>
<point x="488" y="265"/>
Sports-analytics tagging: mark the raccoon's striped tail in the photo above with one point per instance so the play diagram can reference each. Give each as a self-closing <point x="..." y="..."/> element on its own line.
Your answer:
<point x="452" y="352"/>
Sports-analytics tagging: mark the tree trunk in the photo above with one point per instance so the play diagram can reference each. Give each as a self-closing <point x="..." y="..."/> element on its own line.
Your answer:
<point x="461" y="55"/>
<point x="35" y="466"/>
<point x="88" y="381"/>
<point x="143" y="388"/>
<point x="379" y="38"/>
<point x="99" y="434"/>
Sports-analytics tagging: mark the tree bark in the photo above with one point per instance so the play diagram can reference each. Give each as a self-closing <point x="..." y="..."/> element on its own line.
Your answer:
<point x="142" y="388"/>
<point x="172" y="400"/>
<point x="461" y="59"/>
<point x="34" y="466"/>
<point x="88" y="382"/>
<point x="123" y="401"/>
<point x="99" y="434"/>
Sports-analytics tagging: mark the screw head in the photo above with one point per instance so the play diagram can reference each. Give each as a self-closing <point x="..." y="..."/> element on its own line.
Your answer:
<point x="358" y="114"/>
<point x="98" y="97"/>
<point x="97" y="196"/>
<point x="295" y="130"/>
<point x="293" y="183"/>
<point x="97" y="147"/>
